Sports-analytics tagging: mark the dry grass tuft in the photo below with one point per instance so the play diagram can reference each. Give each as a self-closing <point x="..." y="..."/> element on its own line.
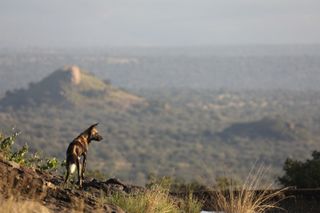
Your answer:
<point x="155" y="200"/>
<point x="152" y="201"/>
<point x="14" y="205"/>
<point x="251" y="197"/>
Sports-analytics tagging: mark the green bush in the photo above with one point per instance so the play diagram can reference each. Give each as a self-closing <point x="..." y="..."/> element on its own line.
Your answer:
<point x="50" y="164"/>
<point x="6" y="144"/>
<point x="22" y="155"/>
<point x="302" y="174"/>
<point x="19" y="156"/>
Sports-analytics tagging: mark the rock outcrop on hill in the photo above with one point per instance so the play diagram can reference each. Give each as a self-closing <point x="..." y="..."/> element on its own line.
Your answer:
<point x="70" y="86"/>
<point x="27" y="184"/>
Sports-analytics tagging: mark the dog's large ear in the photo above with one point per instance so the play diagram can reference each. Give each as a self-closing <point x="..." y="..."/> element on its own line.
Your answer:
<point x="94" y="125"/>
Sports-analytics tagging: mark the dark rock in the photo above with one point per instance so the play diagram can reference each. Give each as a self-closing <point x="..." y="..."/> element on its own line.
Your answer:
<point x="25" y="183"/>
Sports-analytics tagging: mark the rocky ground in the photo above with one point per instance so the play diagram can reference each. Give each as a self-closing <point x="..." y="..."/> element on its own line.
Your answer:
<point x="24" y="183"/>
<point x="46" y="192"/>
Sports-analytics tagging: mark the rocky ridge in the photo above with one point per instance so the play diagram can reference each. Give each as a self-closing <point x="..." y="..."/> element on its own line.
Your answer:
<point x="28" y="184"/>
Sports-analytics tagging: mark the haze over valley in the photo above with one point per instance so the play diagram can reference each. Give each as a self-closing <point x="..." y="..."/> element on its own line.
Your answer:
<point x="264" y="67"/>
<point x="202" y="112"/>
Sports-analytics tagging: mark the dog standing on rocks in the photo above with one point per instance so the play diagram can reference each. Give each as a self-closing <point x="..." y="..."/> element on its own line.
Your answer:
<point x="77" y="148"/>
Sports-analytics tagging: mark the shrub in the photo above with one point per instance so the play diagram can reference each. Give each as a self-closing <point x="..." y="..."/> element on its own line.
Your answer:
<point x="302" y="174"/>
<point x="50" y="164"/>
<point x="21" y="156"/>
<point x="6" y="144"/>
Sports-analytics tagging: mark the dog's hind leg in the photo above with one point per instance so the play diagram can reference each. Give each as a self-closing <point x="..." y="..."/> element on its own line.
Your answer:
<point x="70" y="170"/>
<point x="79" y="172"/>
<point x="70" y="166"/>
<point x="67" y="175"/>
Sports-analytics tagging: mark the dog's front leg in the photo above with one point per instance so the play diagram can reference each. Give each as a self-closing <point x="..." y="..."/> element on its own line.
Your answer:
<point x="84" y="163"/>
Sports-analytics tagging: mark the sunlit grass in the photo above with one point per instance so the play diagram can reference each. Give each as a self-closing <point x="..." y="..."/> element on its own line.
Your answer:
<point x="14" y="205"/>
<point x="151" y="201"/>
<point x="251" y="197"/>
<point x="155" y="200"/>
<point x="190" y="204"/>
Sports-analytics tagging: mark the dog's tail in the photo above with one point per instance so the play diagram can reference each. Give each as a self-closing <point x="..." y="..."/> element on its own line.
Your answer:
<point x="72" y="168"/>
<point x="71" y="163"/>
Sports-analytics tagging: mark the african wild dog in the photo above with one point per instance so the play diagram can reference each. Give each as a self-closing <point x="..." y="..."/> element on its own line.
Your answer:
<point x="79" y="147"/>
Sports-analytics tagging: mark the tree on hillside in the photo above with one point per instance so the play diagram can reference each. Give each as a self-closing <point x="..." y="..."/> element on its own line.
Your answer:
<point x="302" y="174"/>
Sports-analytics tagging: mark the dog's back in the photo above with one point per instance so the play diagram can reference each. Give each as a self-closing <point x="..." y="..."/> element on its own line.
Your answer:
<point x="77" y="147"/>
<point x="75" y="150"/>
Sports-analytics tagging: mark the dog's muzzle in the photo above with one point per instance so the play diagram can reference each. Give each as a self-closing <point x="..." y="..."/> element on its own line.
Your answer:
<point x="98" y="138"/>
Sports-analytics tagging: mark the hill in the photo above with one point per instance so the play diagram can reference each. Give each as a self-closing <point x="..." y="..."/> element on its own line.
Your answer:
<point x="266" y="128"/>
<point x="175" y="134"/>
<point x="70" y="86"/>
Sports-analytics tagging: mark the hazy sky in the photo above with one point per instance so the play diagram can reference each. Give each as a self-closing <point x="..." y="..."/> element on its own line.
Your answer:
<point x="157" y="22"/>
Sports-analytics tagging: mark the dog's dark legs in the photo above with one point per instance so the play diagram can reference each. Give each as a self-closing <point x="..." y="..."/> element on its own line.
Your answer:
<point x="83" y="165"/>
<point x="79" y="172"/>
<point x="67" y="175"/>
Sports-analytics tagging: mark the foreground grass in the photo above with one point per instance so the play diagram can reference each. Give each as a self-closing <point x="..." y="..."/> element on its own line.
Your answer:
<point x="13" y="205"/>
<point x="251" y="197"/>
<point x="155" y="200"/>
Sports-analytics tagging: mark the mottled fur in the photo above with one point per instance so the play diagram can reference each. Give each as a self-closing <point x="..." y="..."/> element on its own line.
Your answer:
<point x="79" y="147"/>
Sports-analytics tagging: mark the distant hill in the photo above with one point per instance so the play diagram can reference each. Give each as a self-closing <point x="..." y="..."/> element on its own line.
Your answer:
<point x="70" y="86"/>
<point x="266" y="128"/>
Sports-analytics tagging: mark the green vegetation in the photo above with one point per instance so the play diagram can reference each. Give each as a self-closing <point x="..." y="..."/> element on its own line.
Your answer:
<point x="6" y="145"/>
<point x="21" y="156"/>
<point x="190" y="135"/>
<point x="302" y="174"/>
<point x="178" y="134"/>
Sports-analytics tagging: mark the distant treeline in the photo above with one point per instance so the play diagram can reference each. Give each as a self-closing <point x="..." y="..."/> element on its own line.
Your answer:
<point x="262" y="67"/>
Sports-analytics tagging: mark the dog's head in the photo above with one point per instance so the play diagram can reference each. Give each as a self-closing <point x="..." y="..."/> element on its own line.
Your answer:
<point x="93" y="133"/>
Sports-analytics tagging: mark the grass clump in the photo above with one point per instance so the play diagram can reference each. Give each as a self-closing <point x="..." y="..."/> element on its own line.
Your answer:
<point x="251" y="197"/>
<point x="155" y="199"/>
<point x="14" y="205"/>
<point x="190" y="204"/>
<point x="151" y="201"/>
